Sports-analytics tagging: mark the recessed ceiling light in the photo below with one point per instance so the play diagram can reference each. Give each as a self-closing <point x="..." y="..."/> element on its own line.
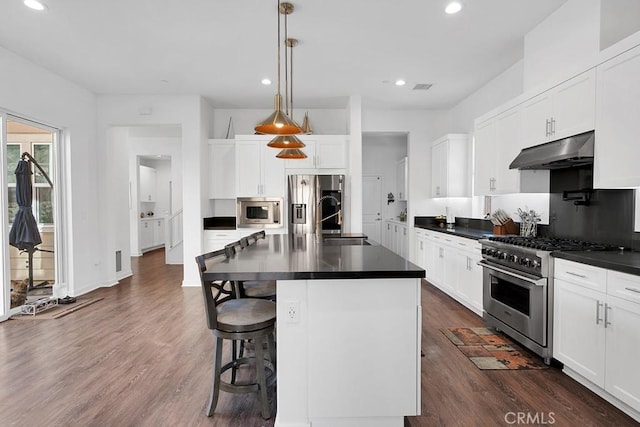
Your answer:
<point x="34" y="4"/>
<point x="266" y="82"/>
<point x="400" y="82"/>
<point x="453" y="7"/>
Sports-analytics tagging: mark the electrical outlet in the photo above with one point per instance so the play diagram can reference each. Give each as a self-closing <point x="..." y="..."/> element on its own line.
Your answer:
<point x="293" y="311"/>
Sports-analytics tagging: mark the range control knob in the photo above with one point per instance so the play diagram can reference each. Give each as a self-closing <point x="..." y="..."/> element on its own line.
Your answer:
<point x="514" y="259"/>
<point x="526" y="262"/>
<point x="504" y="255"/>
<point x="535" y="263"/>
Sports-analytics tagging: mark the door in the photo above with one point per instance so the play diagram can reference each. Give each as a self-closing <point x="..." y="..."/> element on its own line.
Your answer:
<point x="39" y="142"/>
<point x="372" y="207"/>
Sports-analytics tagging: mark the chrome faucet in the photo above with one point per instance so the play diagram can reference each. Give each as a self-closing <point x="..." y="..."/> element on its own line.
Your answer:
<point x="338" y="214"/>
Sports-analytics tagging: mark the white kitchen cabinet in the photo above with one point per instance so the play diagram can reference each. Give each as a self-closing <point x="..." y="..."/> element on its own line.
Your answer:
<point x="597" y="330"/>
<point x="451" y="265"/>
<point x="215" y="240"/>
<point x="147" y="184"/>
<point x="564" y="110"/>
<point x="323" y="152"/>
<point x="258" y="171"/>
<point x="420" y="248"/>
<point x="469" y="281"/>
<point x="449" y="166"/>
<point x="617" y="125"/>
<point x="222" y="169"/>
<point x="578" y="336"/>
<point x="402" y="172"/>
<point x="396" y="237"/>
<point x="158" y="232"/>
<point x="498" y="141"/>
<point x="146" y="234"/>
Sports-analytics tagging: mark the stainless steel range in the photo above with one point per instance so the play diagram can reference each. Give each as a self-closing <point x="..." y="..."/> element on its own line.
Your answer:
<point x="518" y="287"/>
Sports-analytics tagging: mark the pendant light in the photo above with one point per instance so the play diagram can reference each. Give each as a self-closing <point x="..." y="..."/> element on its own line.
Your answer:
<point x="278" y="123"/>
<point x="291" y="153"/>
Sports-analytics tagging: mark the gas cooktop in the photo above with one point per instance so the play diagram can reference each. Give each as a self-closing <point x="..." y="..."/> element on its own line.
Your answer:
<point x="553" y="244"/>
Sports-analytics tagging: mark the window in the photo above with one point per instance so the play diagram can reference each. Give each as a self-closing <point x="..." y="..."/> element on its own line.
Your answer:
<point x="42" y="194"/>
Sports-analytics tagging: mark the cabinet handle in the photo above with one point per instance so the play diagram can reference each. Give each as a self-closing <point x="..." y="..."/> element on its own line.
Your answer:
<point x="547" y="132"/>
<point x="582" y="276"/>
<point x="607" y="307"/>
<point x="553" y="126"/>
<point x="404" y="231"/>
<point x="421" y="247"/>
<point x="598" y="319"/>
<point x="637" y="291"/>
<point x="462" y="244"/>
<point x="447" y="240"/>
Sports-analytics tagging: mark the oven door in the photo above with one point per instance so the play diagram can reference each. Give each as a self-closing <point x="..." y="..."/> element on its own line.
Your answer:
<point x="517" y="300"/>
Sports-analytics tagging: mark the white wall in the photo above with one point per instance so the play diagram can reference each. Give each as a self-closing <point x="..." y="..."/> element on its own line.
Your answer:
<point x="35" y="93"/>
<point x="618" y="19"/>
<point x="191" y="115"/>
<point x="564" y="44"/>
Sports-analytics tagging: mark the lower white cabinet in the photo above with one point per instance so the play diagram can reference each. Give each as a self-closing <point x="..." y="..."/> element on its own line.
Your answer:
<point x="597" y="331"/>
<point x="396" y="237"/>
<point x="217" y="239"/>
<point x="451" y="265"/>
<point x="151" y="233"/>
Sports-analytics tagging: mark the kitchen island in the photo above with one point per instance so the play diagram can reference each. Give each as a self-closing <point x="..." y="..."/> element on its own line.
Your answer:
<point x="349" y="329"/>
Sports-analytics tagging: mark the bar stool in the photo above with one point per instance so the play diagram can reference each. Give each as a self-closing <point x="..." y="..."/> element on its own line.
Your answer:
<point x="238" y="319"/>
<point x="264" y="289"/>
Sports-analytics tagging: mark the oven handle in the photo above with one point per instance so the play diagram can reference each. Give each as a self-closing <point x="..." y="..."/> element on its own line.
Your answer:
<point x="539" y="282"/>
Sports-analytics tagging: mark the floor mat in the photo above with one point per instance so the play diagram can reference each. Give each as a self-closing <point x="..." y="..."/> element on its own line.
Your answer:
<point x="488" y="349"/>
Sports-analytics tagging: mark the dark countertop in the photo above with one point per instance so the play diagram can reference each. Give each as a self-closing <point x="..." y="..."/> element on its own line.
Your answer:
<point x="627" y="262"/>
<point x="469" y="233"/>
<point x="301" y="257"/>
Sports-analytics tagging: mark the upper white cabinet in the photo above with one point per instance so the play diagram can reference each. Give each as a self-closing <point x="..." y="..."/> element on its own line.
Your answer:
<point x="564" y="110"/>
<point x="323" y="152"/>
<point x="449" y="166"/>
<point x="402" y="172"/>
<point x="498" y="141"/>
<point x="258" y="171"/>
<point x="222" y="169"/>
<point x="618" y="122"/>
<point x="147" y="184"/>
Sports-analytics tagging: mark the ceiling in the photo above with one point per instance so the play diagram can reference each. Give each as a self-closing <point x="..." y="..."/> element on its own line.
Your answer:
<point x="221" y="49"/>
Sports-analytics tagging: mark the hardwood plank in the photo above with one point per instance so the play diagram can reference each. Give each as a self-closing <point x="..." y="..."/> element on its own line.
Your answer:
<point x="142" y="356"/>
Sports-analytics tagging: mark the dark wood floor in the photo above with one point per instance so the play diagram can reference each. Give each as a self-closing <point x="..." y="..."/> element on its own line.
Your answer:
<point x="141" y="357"/>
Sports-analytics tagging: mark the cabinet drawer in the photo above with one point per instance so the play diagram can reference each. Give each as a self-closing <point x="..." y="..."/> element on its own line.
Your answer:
<point x="624" y="286"/>
<point x="584" y="275"/>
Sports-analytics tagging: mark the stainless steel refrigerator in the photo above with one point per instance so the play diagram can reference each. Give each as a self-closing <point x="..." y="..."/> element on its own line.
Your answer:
<point x="315" y="204"/>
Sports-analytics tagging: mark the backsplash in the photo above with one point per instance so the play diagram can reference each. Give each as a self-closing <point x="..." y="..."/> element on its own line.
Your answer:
<point x="608" y="217"/>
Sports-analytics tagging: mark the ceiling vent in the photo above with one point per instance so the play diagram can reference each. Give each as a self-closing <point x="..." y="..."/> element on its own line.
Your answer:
<point x="422" y="86"/>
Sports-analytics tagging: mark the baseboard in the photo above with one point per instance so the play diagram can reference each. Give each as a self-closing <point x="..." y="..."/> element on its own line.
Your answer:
<point x="602" y="393"/>
<point x="190" y="284"/>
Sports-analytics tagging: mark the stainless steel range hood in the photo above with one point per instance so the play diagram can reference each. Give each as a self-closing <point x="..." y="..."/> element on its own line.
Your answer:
<point x="563" y="153"/>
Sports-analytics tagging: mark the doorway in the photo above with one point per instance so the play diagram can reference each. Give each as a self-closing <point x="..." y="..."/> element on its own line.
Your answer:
<point x="34" y="265"/>
<point x="372" y="208"/>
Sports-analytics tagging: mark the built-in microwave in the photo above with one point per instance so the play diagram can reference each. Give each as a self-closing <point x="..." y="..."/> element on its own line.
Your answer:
<point x="264" y="212"/>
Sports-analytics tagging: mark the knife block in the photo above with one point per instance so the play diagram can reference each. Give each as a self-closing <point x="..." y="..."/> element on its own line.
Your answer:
<point x="508" y="227"/>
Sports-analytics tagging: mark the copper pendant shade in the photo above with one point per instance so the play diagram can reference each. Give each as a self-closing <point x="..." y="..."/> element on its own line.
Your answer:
<point x="279" y="123"/>
<point x="291" y="153"/>
<point x="286" y="141"/>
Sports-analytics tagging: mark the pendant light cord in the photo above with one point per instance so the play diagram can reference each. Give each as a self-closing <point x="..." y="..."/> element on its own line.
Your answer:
<point x="286" y="65"/>
<point x="278" y="47"/>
